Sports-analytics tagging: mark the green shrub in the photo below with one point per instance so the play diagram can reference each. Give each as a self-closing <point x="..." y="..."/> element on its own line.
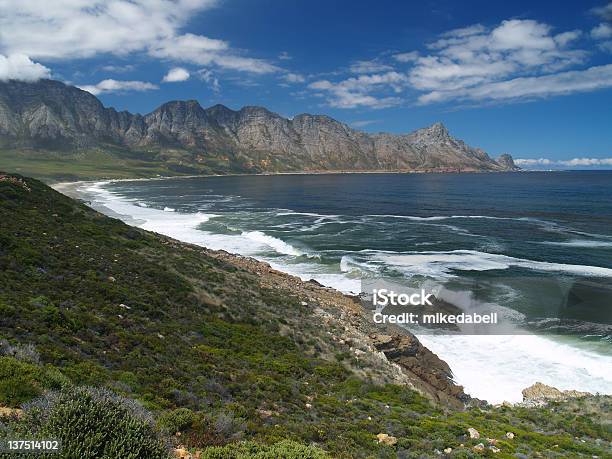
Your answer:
<point x="176" y="420"/>
<point x="93" y="423"/>
<point x="22" y="381"/>
<point x="285" y="449"/>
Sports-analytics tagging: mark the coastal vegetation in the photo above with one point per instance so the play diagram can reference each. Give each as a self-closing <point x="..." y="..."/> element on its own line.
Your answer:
<point x="160" y="348"/>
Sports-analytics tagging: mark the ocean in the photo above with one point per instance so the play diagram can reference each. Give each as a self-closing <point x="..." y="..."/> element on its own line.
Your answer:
<point x="525" y="236"/>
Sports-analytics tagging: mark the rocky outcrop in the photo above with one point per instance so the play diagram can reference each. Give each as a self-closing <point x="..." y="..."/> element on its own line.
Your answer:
<point x="408" y="352"/>
<point x="507" y="162"/>
<point x="51" y="115"/>
<point x="391" y="354"/>
<point x="539" y="394"/>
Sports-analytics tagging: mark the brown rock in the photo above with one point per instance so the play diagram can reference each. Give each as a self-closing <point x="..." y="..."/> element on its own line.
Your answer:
<point x="9" y="412"/>
<point x="386" y="439"/>
<point x="435" y="374"/>
<point x="182" y="453"/>
<point x="541" y="393"/>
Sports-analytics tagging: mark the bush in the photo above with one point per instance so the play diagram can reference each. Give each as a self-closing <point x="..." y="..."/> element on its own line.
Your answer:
<point x="176" y="420"/>
<point x="23" y="352"/>
<point x="286" y="449"/>
<point x="93" y="423"/>
<point x="22" y="381"/>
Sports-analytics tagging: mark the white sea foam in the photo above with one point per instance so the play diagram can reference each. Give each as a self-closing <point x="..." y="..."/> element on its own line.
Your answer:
<point x="497" y="368"/>
<point x="581" y="243"/>
<point x="449" y="217"/>
<point x="443" y="263"/>
<point x="494" y="368"/>
<point x="277" y="244"/>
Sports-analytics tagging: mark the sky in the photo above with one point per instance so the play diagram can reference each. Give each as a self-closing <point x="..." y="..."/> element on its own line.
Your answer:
<point x="533" y="79"/>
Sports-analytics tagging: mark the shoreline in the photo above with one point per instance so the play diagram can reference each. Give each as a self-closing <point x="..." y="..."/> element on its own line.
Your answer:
<point x="408" y="361"/>
<point x="290" y="173"/>
<point x="71" y="188"/>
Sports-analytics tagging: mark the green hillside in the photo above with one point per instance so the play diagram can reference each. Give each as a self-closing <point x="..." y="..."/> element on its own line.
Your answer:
<point x="218" y="358"/>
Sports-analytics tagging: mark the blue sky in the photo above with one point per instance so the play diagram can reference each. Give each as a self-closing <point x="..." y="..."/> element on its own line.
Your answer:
<point x="530" y="78"/>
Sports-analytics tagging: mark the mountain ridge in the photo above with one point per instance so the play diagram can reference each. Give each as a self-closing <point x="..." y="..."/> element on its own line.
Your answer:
<point x="51" y="115"/>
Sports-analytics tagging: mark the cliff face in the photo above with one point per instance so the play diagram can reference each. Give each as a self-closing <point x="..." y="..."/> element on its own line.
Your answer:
<point x="51" y="115"/>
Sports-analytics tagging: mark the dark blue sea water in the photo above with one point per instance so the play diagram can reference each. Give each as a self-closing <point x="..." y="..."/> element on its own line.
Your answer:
<point x="549" y="230"/>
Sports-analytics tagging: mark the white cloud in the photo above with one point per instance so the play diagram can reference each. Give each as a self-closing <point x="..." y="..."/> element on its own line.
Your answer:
<point x="21" y="67"/>
<point x="602" y="31"/>
<point x="69" y="29"/>
<point x="588" y="162"/>
<point x="118" y="68"/>
<point x="285" y="56"/>
<point x="604" y="12"/>
<point x="406" y="57"/>
<point x="533" y="162"/>
<point x="530" y="87"/>
<point x="208" y="76"/>
<point x="294" y="78"/>
<point x="176" y="74"/>
<point x="576" y="162"/>
<point x="369" y="67"/>
<point x="362" y="91"/>
<point x="606" y="46"/>
<point x="110" y="85"/>
<point x="474" y="61"/>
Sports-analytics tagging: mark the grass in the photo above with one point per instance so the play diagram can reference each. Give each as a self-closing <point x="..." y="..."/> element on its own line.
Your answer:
<point x="90" y="165"/>
<point x="215" y="354"/>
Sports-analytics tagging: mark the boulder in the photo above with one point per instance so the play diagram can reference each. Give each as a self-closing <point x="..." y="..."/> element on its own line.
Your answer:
<point x="473" y="433"/>
<point x="181" y="453"/>
<point x="386" y="439"/>
<point x="539" y="393"/>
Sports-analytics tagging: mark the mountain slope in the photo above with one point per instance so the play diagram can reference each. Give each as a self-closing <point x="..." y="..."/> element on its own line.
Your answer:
<point x="52" y="116"/>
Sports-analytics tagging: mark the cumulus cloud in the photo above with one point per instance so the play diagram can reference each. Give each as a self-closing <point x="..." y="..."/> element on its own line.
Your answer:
<point x="602" y="31"/>
<point x="285" y="56"/>
<point x="71" y="29"/>
<point x="20" y="67"/>
<point x="362" y="91"/>
<point x="175" y="75"/>
<point x="197" y="49"/>
<point x="520" y="58"/>
<point x="516" y="59"/>
<point x="107" y="86"/>
<point x="471" y="56"/>
<point x="576" y="162"/>
<point x="593" y="78"/>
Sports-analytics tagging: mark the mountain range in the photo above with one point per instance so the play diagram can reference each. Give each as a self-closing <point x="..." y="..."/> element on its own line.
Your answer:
<point x="52" y="116"/>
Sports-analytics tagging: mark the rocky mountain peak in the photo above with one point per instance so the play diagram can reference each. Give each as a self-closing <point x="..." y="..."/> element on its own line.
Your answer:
<point x="181" y="105"/>
<point x="433" y="135"/>
<point x="436" y="131"/>
<point x="507" y="161"/>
